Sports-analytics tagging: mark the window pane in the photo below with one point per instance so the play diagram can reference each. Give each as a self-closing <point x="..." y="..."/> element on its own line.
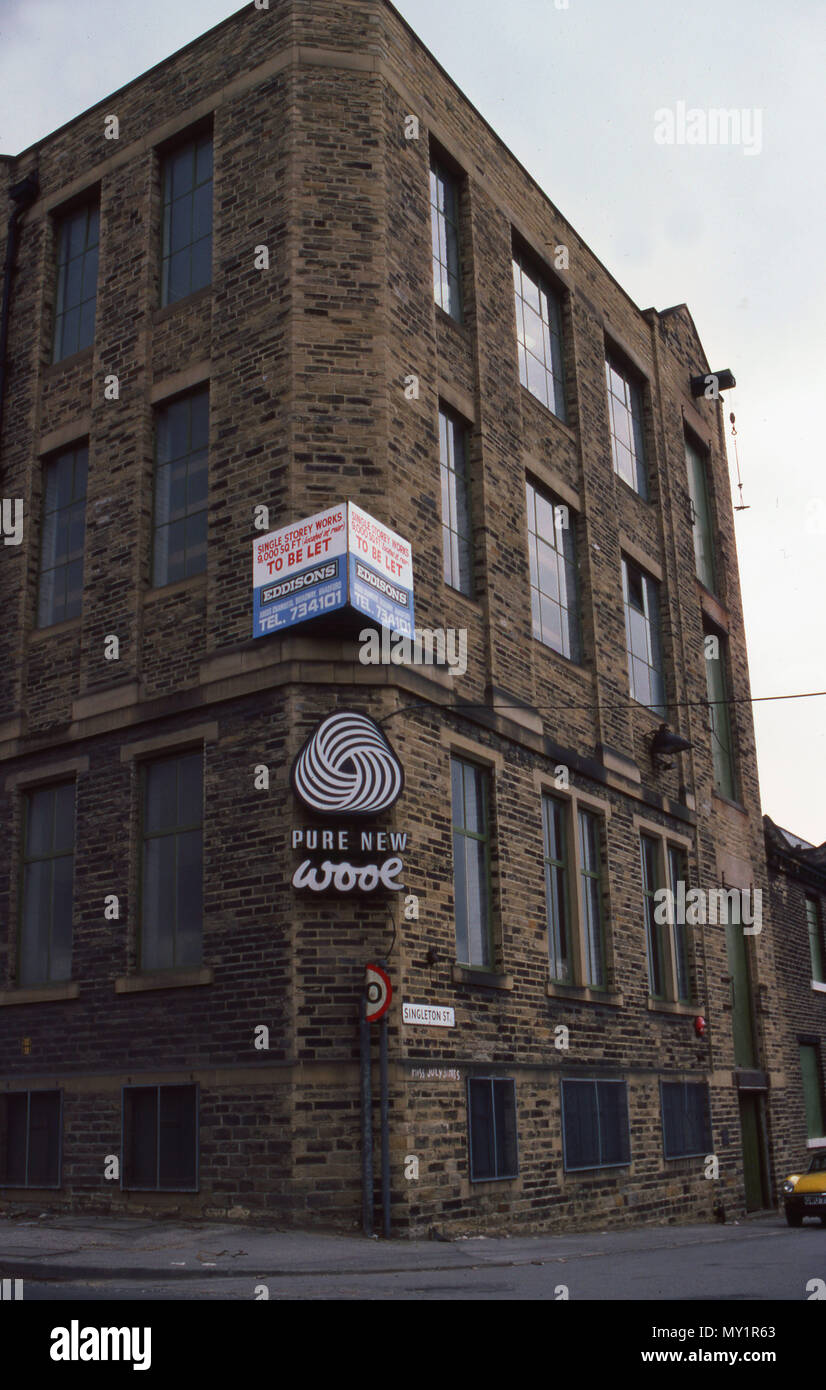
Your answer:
<point x="504" y="1113"/>
<point x="812" y="1093"/>
<point x="188" y="936"/>
<point x="60" y="966"/>
<point x="14" y="1109"/>
<point x="580" y="1124"/>
<point x="161" y="798"/>
<point x="36" y="916"/>
<point x="44" y="1139"/>
<point x="140" y="1140"/>
<point x="158" y="904"/>
<point x="178" y="1137"/>
<point x="613" y="1117"/>
<point x="483" y="1158"/>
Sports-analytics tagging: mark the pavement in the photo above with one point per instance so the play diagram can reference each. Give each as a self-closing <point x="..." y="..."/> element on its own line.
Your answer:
<point x="88" y="1247"/>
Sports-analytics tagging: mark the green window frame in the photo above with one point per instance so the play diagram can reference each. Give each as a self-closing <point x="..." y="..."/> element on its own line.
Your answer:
<point x="78" y="239"/>
<point x="171" y="901"/>
<point x="457" y="541"/>
<point x="181" y="489"/>
<point x="812" y="1090"/>
<point x="63" y="536"/>
<point x="539" y="336"/>
<point x="814" y="927"/>
<point x="625" y="418"/>
<point x="444" y="219"/>
<point x="701" y="517"/>
<point x="470" y="794"/>
<point x="591" y="883"/>
<point x="557" y="887"/>
<point x="654" y="934"/>
<point x="677" y="873"/>
<point x="553" y="577"/>
<point x="186" y="264"/>
<point x="643" y="639"/>
<point x="717" y="691"/>
<point x="44" y="953"/>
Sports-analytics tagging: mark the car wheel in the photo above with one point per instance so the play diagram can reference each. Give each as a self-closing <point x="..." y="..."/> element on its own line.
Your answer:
<point x="794" y="1218"/>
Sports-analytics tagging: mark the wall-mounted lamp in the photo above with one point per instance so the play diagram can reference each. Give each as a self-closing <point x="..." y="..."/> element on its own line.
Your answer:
<point x="663" y="743"/>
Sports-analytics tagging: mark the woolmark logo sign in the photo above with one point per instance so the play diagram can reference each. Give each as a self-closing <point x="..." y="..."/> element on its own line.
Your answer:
<point x="347" y="766"/>
<point x="348" y="769"/>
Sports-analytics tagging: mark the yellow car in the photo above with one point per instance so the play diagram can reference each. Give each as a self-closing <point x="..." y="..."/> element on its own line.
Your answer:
<point x="804" y="1194"/>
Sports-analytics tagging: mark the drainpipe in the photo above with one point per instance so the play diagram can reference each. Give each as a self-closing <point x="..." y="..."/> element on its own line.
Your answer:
<point x="22" y="194"/>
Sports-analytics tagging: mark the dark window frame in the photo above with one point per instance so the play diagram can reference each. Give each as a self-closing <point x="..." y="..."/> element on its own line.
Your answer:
<point x="46" y="615"/>
<point x="63" y="223"/>
<point x="28" y="1092"/>
<point x="633" y="403"/>
<point x="191" y="141"/>
<point x="160" y="560"/>
<point x="29" y="793"/>
<point x="566" y="571"/>
<point x="725" y="763"/>
<point x="651" y="590"/>
<point x="444" y="172"/>
<point x="702" y="526"/>
<point x="815" y="934"/>
<point x="143" y="767"/>
<point x="596" y="1082"/>
<point x="157" y="1087"/>
<point x="528" y="265"/>
<point x="669" y="1153"/>
<point x="486" y="840"/>
<point x="456" y="428"/>
<point x="493" y="1081"/>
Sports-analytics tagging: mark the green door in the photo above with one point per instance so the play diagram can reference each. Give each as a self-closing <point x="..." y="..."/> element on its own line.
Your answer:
<point x="741" y="1015"/>
<point x="754" y="1167"/>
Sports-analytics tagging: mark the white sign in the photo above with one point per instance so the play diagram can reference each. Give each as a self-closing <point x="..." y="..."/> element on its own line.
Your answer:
<point x="300" y="571"/>
<point x="435" y="1015"/>
<point x="338" y="557"/>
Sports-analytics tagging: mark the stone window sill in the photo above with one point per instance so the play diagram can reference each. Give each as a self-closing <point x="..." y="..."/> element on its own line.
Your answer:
<point x="192" y="582"/>
<point x="582" y="994"/>
<point x="42" y="634"/>
<point x="163" y="979"/>
<point x="65" y="364"/>
<point x="819" y="986"/>
<point x="166" y="310"/>
<point x="39" y="994"/>
<point x="673" y="1006"/>
<point x="816" y="1143"/>
<point x="471" y="975"/>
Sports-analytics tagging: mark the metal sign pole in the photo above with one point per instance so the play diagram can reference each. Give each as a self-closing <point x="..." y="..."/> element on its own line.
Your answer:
<point x="366" y="1124"/>
<point x="385" y="1130"/>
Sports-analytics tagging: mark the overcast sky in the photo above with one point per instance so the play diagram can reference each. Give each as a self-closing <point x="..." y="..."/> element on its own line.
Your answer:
<point x="740" y="237"/>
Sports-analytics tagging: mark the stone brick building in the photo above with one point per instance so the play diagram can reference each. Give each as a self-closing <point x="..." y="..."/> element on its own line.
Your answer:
<point x="298" y="269"/>
<point x="797" y="891"/>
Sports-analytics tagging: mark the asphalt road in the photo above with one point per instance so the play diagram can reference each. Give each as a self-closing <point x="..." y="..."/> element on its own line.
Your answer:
<point x="765" y="1261"/>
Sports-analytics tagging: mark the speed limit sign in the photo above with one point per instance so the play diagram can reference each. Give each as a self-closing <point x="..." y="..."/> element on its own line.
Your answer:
<point x="378" y="993"/>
